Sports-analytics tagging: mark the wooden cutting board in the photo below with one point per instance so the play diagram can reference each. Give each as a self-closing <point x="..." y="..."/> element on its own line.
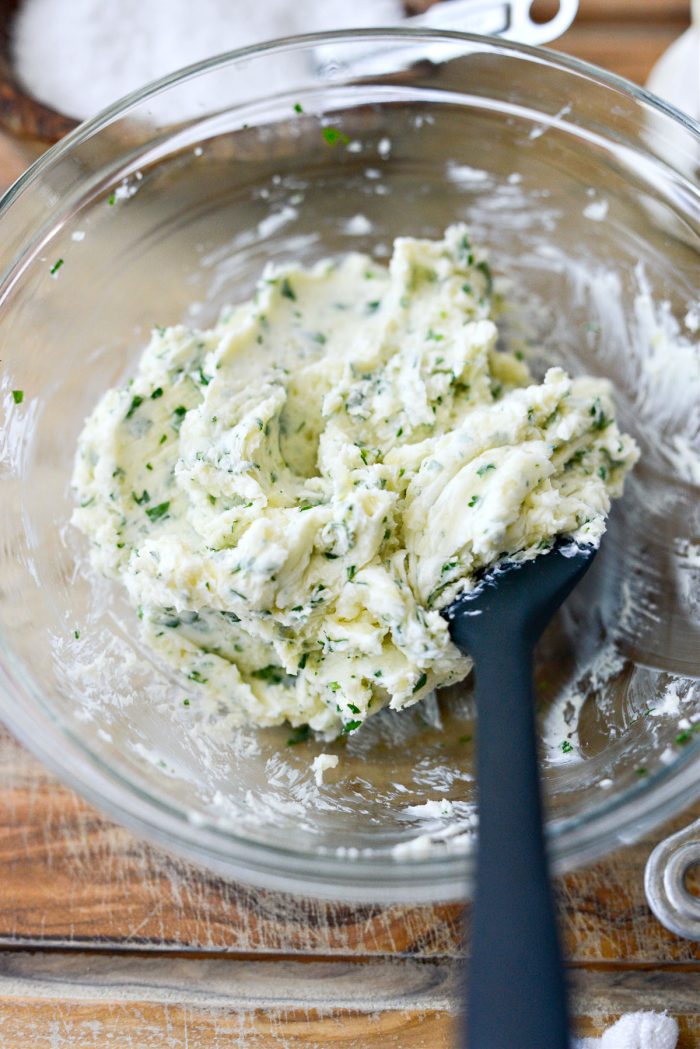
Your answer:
<point x="106" y="941"/>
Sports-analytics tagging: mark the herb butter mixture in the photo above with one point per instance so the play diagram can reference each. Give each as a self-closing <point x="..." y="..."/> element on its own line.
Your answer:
<point x="291" y="497"/>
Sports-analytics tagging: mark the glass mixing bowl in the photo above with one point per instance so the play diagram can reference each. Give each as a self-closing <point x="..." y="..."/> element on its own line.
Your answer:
<point x="165" y="208"/>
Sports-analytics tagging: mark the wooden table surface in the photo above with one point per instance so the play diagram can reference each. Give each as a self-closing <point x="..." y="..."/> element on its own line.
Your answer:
<point x="106" y="941"/>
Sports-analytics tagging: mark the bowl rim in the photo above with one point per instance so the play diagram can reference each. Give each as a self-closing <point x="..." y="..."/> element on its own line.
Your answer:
<point x="381" y="878"/>
<point x="36" y="119"/>
<point x="409" y="34"/>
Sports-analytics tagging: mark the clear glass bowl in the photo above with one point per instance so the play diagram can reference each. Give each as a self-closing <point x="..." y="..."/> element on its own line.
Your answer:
<point x="165" y="209"/>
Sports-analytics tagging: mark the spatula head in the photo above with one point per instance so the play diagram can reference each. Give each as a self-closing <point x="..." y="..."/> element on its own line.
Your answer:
<point x="517" y="596"/>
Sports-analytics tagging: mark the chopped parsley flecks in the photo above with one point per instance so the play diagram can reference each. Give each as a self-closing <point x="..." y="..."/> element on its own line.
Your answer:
<point x="156" y="513"/>
<point x="112" y="199"/>
<point x="366" y="412"/>
<point x="177" y="417"/>
<point x="600" y="419"/>
<point x="287" y="290"/>
<point x="18" y="396"/>
<point x="333" y="136"/>
<point x="300" y="734"/>
<point x="136" y="402"/>
<point x="421" y="681"/>
<point x="466" y="254"/>
<point x="298" y="108"/>
<point x="566" y="747"/>
<point x="273" y="674"/>
<point x="56" y="267"/>
<point x="575" y="459"/>
<point x="485" y="270"/>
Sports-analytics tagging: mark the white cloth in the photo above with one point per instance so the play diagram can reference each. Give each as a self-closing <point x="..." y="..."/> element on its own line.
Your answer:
<point x="636" y="1031"/>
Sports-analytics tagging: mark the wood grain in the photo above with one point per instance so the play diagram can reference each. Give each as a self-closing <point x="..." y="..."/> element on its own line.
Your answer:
<point x="69" y="1000"/>
<point x="13" y="160"/>
<point x="65" y="1024"/>
<point x="65" y="1000"/>
<point x="628" y="50"/>
<point x="68" y="876"/>
<point x="624" y="36"/>
<point x="621" y="12"/>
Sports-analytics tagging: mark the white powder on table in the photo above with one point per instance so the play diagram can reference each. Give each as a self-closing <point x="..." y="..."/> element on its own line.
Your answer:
<point x="79" y="56"/>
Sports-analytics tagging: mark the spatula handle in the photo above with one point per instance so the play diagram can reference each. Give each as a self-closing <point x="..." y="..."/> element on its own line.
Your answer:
<point x="516" y="994"/>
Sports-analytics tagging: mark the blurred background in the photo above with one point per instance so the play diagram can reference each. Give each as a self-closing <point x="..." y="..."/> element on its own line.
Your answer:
<point x="62" y="60"/>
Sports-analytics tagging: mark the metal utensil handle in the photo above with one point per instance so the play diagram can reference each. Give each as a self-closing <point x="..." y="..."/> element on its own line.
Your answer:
<point x="665" y="882"/>
<point x="507" y="18"/>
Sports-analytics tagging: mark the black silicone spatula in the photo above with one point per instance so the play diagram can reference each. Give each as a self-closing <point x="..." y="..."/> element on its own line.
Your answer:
<point x="516" y="994"/>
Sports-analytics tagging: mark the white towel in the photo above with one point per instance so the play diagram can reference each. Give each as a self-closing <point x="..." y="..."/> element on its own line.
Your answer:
<point x="636" y="1031"/>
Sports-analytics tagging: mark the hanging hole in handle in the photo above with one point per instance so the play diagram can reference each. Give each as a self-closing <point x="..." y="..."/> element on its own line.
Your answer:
<point x="539" y="21"/>
<point x="672" y="882"/>
<point x="680" y="861"/>
<point x="543" y="11"/>
<point x="691" y="879"/>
